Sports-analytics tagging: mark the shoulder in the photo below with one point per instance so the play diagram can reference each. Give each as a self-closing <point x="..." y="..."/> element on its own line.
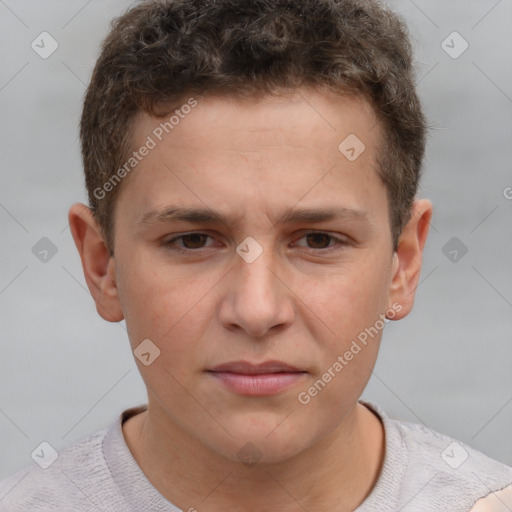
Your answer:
<point x="442" y="470"/>
<point x="77" y="480"/>
<point x="425" y="471"/>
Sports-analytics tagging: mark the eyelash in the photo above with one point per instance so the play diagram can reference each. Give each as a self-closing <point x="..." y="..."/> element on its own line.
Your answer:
<point x="340" y="242"/>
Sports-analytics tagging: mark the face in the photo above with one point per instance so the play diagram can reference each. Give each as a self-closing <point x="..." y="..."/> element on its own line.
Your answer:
<point x="249" y="234"/>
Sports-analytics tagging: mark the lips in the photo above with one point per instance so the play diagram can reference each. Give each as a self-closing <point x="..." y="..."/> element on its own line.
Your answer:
<point x="268" y="378"/>
<point x="246" y="368"/>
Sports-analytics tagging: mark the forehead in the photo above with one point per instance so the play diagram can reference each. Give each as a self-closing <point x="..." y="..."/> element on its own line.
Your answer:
<point x="306" y="116"/>
<point x="257" y="152"/>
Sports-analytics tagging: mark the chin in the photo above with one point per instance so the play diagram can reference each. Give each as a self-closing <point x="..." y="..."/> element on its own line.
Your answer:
<point x="256" y="440"/>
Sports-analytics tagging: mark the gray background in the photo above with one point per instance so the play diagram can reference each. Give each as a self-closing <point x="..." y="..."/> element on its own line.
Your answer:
<point x="66" y="373"/>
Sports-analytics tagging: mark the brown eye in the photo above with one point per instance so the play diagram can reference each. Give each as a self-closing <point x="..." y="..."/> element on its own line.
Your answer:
<point x="189" y="241"/>
<point x="318" y="240"/>
<point x="194" y="240"/>
<point x="321" y="242"/>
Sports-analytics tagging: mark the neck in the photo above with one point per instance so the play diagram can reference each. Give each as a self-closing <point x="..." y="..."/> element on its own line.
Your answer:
<point x="335" y="474"/>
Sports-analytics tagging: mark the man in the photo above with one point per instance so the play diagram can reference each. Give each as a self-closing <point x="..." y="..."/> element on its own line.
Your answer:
<point x="252" y="170"/>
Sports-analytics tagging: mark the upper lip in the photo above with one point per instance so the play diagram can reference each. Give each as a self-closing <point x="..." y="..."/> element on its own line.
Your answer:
<point x="246" y="368"/>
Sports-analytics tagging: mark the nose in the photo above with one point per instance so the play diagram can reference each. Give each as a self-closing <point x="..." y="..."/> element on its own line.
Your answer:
<point x="256" y="298"/>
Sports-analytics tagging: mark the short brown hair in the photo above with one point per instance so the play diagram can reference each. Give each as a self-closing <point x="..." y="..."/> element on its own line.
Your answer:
<point x="162" y="51"/>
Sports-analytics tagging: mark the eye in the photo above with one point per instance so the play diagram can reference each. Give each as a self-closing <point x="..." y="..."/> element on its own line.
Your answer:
<point x="317" y="241"/>
<point x="189" y="241"/>
<point x="321" y="241"/>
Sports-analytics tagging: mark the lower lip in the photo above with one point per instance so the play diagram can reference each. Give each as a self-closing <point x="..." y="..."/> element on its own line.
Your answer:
<point x="258" y="385"/>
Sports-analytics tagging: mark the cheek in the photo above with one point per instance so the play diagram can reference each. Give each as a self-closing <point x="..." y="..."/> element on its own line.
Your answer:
<point x="348" y="349"/>
<point x="167" y="307"/>
<point x="350" y="304"/>
<point x="345" y="301"/>
<point x="160" y="308"/>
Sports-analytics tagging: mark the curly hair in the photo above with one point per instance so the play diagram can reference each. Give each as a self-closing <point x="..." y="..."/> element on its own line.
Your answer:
<point x="162" y="51"/>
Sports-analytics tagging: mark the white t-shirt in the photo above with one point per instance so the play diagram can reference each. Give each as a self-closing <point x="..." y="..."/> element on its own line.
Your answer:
<point x="422" y="471"/>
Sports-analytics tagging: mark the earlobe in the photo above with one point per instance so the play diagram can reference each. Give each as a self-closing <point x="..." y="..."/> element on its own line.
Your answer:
<point x="408" y="257"/>
<point x="98" y="265"/>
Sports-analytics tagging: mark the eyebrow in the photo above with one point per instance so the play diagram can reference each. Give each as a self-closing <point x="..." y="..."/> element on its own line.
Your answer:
<point x="209" y="216"/>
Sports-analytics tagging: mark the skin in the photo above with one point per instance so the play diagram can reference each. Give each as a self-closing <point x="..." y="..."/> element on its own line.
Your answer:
<point x="302" y="301"/>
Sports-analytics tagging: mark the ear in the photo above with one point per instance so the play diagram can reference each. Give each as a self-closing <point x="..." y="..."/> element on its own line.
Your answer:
<point x="408" y="257"/>
<point x="97" y="263"/>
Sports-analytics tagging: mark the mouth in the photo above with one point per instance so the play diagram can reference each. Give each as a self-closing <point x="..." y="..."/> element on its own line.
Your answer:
<point x="246" y="368"/>
<point x="268" y="378"/>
